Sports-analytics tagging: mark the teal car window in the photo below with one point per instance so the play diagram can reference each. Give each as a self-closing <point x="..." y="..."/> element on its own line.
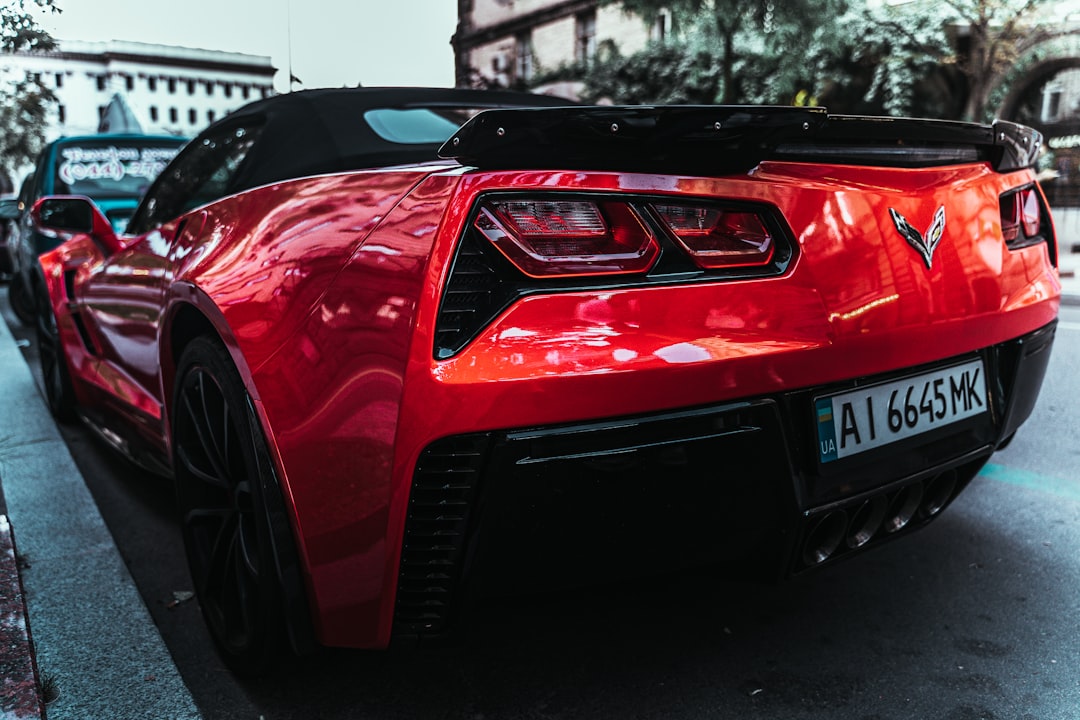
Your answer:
<point x="110" y="168"/>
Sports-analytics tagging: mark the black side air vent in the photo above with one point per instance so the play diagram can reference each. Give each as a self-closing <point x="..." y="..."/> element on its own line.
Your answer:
<point x="436" y="527"/>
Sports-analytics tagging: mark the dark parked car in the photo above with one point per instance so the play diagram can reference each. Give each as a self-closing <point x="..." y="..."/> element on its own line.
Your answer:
<point x="113" y="170"/>
<point x="9" y="228"/>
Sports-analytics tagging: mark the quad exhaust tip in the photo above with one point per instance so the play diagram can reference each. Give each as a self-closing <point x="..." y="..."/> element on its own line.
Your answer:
<point x="903" y="506"/>
<point x="938" y="493"/>
<point x="866" y="521"/>
<point x="851" y="527"/>
<point x="825" y="537"/>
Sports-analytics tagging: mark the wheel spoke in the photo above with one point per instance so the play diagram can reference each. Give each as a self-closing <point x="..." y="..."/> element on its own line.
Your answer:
<point x="226" y="432"/>
<point x="200" y="474"/>
<point x="246" y="595"/>
<point x="214" y="444"/>
<point x="208" y="529"/>
<point x="249" y="545"/>
<point x="204" y="434"/>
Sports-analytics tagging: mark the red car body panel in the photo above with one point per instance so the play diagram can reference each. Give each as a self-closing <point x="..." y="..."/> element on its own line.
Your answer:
<point x="326" y="292"/>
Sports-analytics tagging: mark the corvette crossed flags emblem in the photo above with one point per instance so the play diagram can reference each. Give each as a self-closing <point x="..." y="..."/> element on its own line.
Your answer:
<point x="925" y="246"/>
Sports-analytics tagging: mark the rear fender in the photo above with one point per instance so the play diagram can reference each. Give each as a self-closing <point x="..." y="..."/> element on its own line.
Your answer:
<point x="61" y="272"/>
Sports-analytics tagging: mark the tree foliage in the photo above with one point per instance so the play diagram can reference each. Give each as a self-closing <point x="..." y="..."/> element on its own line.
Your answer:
<point x="842" y="52"/>
<point x="931" y="58"/>
<point x="662" y="74"/>
<point x="996" y="35"/>
<point x="896" y="60"/>
<point x="25" y="102"/>
<point x="759" y="48"/>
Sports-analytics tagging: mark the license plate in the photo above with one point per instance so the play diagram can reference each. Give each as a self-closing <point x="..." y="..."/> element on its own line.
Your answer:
<point x="853" y="422"/>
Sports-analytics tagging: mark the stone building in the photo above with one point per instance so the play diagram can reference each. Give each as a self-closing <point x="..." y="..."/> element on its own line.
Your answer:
<point x="509" y="42"/>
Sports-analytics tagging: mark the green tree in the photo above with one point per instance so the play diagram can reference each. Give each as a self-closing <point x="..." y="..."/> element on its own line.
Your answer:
<point x="836" y="52"/>
<point x="896" y="60"/>
<point x="24" y="101"/>
<point x="669" y="73"/>
<point x="937" y="58"/>
<point x="742" y="33"/>
<point x="993" y="36"/>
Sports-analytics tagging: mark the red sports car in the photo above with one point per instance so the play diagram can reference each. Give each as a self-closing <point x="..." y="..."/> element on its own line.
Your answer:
<point x="395" y="363"/>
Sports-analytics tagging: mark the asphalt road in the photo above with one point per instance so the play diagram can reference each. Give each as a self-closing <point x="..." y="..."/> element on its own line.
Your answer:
<point x="977" y="616"/>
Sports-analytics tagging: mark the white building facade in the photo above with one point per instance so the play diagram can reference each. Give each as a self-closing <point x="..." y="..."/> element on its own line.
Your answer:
<point x="171" y="90"/>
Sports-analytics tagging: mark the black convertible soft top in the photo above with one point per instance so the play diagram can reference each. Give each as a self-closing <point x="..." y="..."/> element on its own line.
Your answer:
<point x="312" y="132"/>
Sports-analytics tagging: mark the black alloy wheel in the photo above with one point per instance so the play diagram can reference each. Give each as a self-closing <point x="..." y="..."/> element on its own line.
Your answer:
<point x="21" y="299"/>
<point x="59" y="393"/>
<point x="219" y="459"/>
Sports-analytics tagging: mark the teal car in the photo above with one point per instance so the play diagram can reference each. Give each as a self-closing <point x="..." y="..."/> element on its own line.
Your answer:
<point x="113" y="170"/>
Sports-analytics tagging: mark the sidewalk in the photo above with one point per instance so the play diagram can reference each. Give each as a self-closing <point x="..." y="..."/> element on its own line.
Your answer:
<point x="1069" y="267"/>
<point x="96" y="646"/>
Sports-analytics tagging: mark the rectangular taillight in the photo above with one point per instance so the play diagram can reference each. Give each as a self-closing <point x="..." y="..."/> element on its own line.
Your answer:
<point x="1023" y="219"/>
<point x="553" y="237"/>
<point x="718" y="237"/>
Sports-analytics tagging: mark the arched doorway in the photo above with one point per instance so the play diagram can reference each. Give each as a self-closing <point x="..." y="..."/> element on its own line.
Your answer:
<point x="1047" y="98"/>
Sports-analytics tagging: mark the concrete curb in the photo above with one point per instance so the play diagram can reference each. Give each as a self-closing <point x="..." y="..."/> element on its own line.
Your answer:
<point x="20" y="686"/>
<point x="93" y="635"/>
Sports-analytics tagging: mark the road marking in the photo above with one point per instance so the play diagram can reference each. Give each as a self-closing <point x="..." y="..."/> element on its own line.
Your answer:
<point x="1068" y="325"/>
<point x="1032" y="481"/>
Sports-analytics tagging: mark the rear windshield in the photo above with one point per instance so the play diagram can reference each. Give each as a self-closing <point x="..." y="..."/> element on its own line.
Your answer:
<point x="416" y="126"/>
<point x="110" y="168"/>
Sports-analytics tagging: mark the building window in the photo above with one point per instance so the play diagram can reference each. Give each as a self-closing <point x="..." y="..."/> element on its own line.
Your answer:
<point x="266" y="92"/>
<point x="585" y="37"/>
<point x="61" y="113"/>
<point x="129" y="83"/>
<point x="172" y="85"/>
<point x="661" y="27"/>
<point x="151" y="84"/>
<point x="153" y="113"/>
<point x="228" y="91"/>
<point x="1051" y="105"/>
<point x="210" y="116"/>
<point x="59" y="80"/>
<point x="523" y="58"/>
<point x="192" y="116"/>
<point x="190" y="87"/>
<point x="101" y="83"/>
<point x="174" y="117"/>
<point x="245" y="91"/>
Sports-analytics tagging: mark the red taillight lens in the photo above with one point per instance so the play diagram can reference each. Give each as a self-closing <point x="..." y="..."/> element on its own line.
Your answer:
<point x="1021" y="216"/>
<point x="719" y="238"/>
<point x="1030" y="216"/>
<point x="547" y="238"/>
<point x="1010" y="223"/>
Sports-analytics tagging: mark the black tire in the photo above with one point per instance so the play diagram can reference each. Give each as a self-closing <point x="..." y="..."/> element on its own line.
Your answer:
<point x="219" y="459"/>
<point x="21" y="299"/>
<point x="59" y="393"/>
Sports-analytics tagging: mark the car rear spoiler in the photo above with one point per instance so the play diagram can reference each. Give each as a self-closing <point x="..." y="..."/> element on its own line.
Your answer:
<point x="721" y="139"/>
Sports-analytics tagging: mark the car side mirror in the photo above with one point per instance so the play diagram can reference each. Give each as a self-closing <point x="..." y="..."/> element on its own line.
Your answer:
<point x="64" y="216"/>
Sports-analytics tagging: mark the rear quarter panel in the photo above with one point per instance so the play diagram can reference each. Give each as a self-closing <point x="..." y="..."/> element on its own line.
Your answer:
<point x="264" y="258"/>
<point x="315" y="284"/>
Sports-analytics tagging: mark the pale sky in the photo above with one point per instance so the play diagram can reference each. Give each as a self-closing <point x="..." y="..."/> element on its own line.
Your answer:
<point x="333" y="42"/>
